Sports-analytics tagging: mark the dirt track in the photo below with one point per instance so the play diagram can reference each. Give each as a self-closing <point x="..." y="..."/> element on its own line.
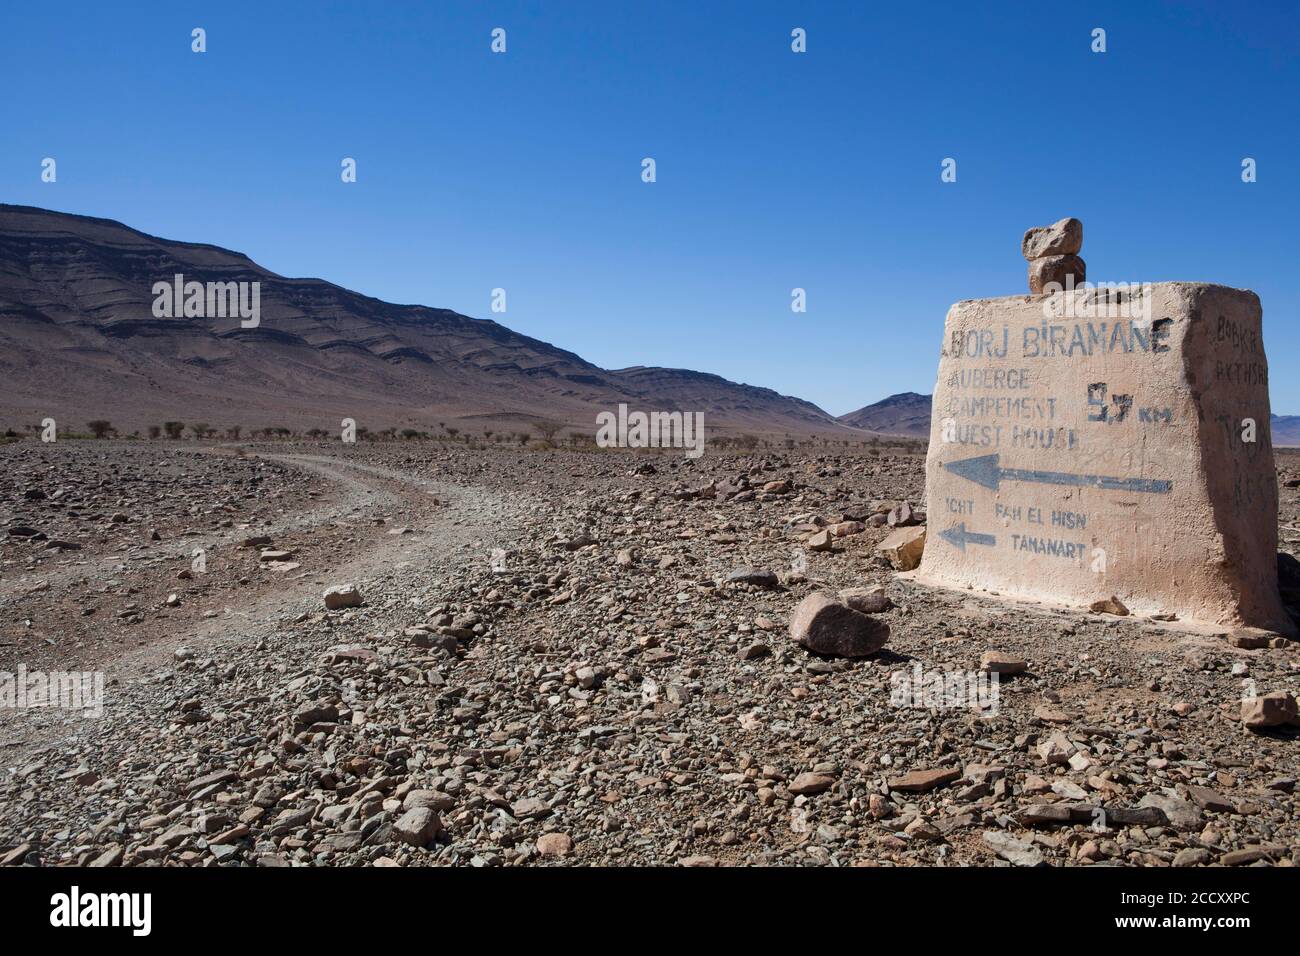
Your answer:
<point x="553" y="656"/>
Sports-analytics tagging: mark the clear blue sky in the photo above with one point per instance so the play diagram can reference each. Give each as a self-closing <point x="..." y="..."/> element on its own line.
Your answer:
<point x="775" y="170"/>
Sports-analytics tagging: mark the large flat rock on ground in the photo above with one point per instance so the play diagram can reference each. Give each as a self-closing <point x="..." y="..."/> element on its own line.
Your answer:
<point x="1096" y="444"/>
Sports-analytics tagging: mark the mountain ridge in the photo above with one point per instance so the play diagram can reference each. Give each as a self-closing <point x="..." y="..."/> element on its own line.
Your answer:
<point x="906" y="413"/>
<point x="80" y="340"/>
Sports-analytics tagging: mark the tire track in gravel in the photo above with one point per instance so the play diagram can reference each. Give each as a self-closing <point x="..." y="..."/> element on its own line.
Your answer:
<point x="357" y="496"/>
<point x="442" y="517"/>
<point x="446" y="521"/>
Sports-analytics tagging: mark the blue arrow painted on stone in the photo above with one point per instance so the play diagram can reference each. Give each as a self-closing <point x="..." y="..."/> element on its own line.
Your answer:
<point x="959" y="537"/>
<point x="985" y="471"/>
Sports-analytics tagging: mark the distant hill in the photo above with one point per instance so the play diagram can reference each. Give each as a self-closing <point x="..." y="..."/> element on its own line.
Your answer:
<point x="79" y="341"/>
<point x="1286" y="430"/>
<point x="909" y="414"/>
<point x="904" y="414"/>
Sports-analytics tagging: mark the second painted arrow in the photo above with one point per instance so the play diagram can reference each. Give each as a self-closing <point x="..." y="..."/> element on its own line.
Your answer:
<point x="959" y="537"/>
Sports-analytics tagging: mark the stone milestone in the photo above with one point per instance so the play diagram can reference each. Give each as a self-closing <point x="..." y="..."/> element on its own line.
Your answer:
<point x="1107" y="443"/>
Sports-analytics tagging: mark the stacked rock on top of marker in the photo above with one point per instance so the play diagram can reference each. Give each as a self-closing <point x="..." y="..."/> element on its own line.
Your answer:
<point x="1053" y="254"/>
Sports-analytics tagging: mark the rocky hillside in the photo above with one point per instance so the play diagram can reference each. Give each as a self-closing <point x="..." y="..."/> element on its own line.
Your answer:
<point x="1286" y="430"/>
<point x="79" y="340"/>
<point x="904" y="414"/>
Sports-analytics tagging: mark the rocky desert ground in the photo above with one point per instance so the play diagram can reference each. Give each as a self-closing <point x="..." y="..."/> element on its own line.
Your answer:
<point x="556" y="657"/>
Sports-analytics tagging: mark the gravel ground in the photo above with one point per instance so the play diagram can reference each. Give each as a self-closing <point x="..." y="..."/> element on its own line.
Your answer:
<point x="573" y="658"/>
